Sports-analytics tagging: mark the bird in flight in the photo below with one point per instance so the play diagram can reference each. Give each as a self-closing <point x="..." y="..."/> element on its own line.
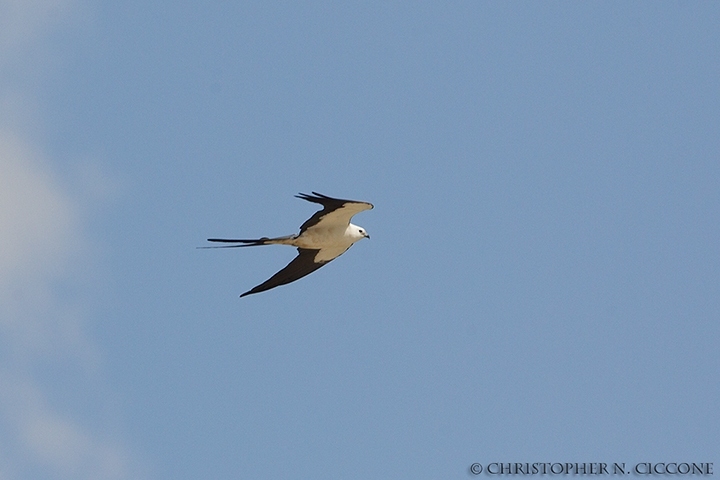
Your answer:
<point x="322" y="238"/>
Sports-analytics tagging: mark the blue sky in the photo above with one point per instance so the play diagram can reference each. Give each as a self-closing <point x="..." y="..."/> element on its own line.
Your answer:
<point x="543" y="278"/>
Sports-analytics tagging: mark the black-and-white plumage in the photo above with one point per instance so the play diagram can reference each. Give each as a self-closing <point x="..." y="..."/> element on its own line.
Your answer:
<point x="322" y="238"/>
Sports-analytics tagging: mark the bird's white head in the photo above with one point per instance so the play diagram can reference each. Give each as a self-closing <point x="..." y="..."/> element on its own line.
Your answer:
<point x="357" y="233"/>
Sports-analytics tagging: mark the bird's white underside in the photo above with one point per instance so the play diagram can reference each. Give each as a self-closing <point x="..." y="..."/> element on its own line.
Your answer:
<point x="330" y="240"/>
<point x="332" y="235"/>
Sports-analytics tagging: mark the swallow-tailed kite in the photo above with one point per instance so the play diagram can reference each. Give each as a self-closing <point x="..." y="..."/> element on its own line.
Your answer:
<point x="322" y="238"/>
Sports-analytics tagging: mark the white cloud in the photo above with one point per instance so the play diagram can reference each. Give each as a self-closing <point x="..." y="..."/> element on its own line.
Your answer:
<point x="41" y="236"/>
<point x="43" y="247"/>
<point x="55" y="444"/>
<point x="33" y="210"/>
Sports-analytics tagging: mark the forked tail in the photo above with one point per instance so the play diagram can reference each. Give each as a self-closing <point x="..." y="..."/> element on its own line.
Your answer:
<point x="251" y="242"/>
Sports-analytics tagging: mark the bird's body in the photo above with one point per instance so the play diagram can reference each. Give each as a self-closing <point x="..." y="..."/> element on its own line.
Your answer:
<point x="322" y="238"/>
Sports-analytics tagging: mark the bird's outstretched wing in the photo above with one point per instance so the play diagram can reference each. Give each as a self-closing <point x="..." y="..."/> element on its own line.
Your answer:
<point x="301" y="265"/>
<point x="335" y="211"/>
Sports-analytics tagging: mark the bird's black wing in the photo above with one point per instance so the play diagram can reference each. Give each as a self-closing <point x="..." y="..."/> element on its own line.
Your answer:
<point x="303" y="264"/>
<point x="342" y="210"/>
